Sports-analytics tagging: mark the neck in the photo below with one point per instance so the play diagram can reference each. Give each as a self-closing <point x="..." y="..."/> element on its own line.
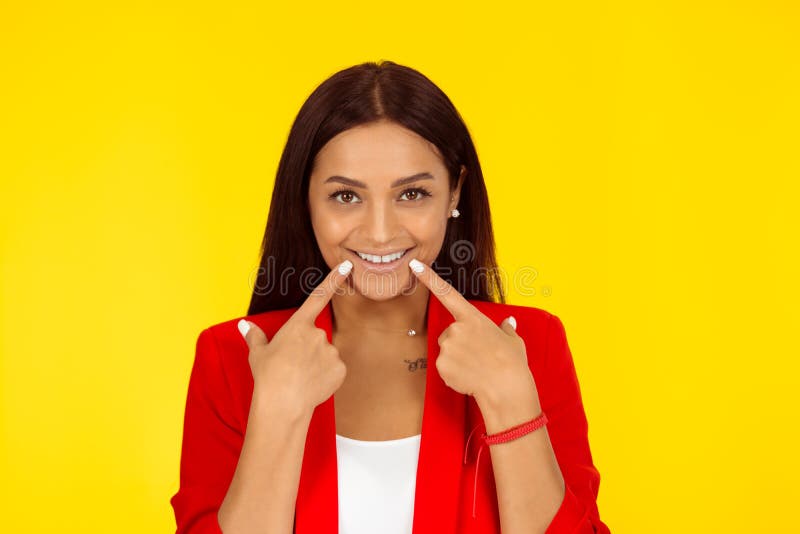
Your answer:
<point x="353" y="311"/>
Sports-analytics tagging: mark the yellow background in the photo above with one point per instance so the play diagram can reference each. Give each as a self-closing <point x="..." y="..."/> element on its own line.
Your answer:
<point x="641" y="157"/>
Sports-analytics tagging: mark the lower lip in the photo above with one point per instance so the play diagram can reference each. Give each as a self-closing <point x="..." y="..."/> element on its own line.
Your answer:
<point x="383" y="267"/>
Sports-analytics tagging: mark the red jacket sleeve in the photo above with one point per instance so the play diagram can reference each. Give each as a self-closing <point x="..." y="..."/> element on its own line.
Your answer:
<point x="212" y="442"/>
<point x="568" y="430"/>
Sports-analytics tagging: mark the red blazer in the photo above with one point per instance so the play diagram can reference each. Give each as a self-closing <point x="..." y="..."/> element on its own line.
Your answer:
<point x="218" y="404"/>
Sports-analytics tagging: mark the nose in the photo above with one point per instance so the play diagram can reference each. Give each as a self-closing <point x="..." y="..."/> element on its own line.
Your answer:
<point x="381" y="224"/>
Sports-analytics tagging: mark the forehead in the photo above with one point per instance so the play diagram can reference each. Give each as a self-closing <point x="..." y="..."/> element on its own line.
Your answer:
<point x="377" y="151"/>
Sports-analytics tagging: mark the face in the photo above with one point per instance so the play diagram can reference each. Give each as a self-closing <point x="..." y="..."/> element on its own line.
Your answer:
<point x="380" y="190"/>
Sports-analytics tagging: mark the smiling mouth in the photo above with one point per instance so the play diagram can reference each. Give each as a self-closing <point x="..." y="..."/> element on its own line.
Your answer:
<point x="381" y="262"/>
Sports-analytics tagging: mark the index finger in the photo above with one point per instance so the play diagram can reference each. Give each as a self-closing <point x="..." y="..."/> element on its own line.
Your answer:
<point x="319" y="297"/>
<point x="454" y="301"/>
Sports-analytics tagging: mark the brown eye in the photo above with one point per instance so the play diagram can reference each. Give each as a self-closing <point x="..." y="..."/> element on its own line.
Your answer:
<point x="344" y="196"/>
<point x="415" y="194"/>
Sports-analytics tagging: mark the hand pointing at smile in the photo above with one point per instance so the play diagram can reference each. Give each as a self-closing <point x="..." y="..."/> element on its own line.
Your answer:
<point x="298" y="365"/>
<point x="478" y="357"/>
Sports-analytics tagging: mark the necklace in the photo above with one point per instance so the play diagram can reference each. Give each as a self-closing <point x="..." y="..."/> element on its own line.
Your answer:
<point x="418" y="362"/>
<point x="410" y="332"/>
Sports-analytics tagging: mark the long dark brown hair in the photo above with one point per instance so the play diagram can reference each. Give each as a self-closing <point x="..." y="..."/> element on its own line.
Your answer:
<point x="291" y="263"/>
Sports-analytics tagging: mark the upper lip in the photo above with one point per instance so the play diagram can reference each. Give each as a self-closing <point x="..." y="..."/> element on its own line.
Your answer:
<point x="381" y="253"/>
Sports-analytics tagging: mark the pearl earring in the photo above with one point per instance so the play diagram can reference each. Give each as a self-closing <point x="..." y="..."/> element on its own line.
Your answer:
<point x="455" y="213"/>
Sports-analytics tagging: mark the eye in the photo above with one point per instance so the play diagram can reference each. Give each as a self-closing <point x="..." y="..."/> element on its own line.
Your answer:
<point x="418" y="193"/>
<point x="346" y="195"/>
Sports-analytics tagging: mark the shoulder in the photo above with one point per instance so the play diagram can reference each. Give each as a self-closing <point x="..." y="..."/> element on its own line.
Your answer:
<point x="226" y="333"/>
<point x="541" y="330"/>
<point x="529" y="318"/>
<point x="223" y="344"/>
<point x="222" y="357"/>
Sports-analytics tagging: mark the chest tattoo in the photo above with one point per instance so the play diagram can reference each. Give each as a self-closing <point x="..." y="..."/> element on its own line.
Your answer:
<point x="419" y="363"/>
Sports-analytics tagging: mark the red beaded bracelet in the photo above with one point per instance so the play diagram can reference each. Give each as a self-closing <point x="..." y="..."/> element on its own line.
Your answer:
<point x="501" y="437"/>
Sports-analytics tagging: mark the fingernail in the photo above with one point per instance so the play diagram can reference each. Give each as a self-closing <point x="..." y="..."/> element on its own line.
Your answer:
<point x="244" y="327"/>
<point x="416" y="265"/>
<point x="345" y="267"/>
<point x="512" y="322"/>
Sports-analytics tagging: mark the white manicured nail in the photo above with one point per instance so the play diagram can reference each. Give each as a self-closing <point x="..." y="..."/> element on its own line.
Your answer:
<point x="244" y="327"/>
<point x="416" y="265"/>
<point x="512" y="322"/>
<point x="345" y="267"/>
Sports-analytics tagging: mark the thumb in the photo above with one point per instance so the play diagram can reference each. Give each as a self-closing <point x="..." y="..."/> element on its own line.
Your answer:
<point x="509" y="325"/>
<point x="251" y="333"/>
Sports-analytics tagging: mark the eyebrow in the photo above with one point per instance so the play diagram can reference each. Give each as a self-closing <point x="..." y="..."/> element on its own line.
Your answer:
<point x="396" y="183"/>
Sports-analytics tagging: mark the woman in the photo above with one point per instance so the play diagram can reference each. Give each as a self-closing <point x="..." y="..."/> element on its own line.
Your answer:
<point x="318" y="412"/>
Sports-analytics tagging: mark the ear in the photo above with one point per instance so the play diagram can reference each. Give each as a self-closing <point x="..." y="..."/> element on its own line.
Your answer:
<point x="456" y="193"/>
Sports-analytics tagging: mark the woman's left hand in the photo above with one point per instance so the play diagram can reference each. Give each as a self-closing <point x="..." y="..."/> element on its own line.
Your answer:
<point x="477" y="357"/>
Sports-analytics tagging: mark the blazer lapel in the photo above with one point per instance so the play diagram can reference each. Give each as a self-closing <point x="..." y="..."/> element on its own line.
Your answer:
<point x="440" y="457"/>
<point x="317" y="506"/>
<point x="440" y="461"/>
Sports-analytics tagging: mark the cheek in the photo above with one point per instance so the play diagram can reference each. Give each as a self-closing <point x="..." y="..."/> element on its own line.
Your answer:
<point x="333" y="230"/>
<point x="329" y="230"/>
<point x="428" y="230"/>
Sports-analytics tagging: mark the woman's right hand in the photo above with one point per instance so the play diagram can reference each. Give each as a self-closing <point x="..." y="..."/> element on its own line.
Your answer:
<point x="298" y="366"/>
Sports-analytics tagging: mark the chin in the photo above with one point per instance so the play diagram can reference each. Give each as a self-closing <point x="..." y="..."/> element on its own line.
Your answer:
<point x="383" y="287"/>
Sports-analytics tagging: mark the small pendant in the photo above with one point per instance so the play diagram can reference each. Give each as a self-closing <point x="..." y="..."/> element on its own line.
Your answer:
<point x="412" y="332"/>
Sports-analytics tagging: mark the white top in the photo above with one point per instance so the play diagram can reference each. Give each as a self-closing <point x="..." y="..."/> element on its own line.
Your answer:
<point x="377" y="482"/>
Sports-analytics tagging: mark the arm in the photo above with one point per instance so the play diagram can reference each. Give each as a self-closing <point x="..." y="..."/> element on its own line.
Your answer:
<point x="262" y="495"/>
<point x="568" y="430"/>
<point x="219" y="459"/>
<point x="546" y="480"/>
<point x="530" y="486"/>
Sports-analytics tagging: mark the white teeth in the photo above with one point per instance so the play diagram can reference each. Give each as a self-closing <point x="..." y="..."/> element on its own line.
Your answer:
<point x="382" y="259"/>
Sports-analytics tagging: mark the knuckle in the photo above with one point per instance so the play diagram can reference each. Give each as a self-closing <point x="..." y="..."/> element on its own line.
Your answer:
<point x="341" y="370"/>
<point x="320" y="334"/>
<point x="314" y="337"/>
